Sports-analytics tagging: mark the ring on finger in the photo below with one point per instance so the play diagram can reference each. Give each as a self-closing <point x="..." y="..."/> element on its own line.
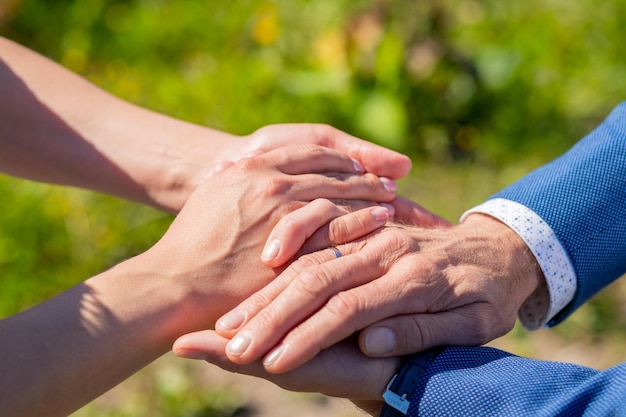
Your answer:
<point x="336" y="251"/>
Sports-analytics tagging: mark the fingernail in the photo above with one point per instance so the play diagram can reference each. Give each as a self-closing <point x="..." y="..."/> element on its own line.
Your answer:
<point x="392" y="209"/>
<point x="273" y="356"/>
<point x="357" y="166"/>
<point x="239" y="344"/>
<point x="271" y="250"/>
<point x="232" y="320"/>
<point x="390" y="185"/>
<point x="381" y="214"/>
<point x="190" y="354"/>
<point x="380" y="341"/>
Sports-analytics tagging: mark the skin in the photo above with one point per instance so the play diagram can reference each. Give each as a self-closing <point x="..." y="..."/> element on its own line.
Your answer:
<point x="68" y="350"/>
<point x="405" y="288"/>
<point x="91" y="139"/>
<point x="341" y="371"/>
<point x="61" y="354"/>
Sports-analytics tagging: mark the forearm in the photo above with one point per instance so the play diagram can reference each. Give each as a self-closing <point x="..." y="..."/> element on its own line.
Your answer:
<point x="57" y="127"/>
<point x="60" y="354"/>
<point x="67" y="351"/>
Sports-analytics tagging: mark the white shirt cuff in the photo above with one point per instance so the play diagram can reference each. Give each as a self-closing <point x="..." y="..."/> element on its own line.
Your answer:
<point x="560" y="278"/>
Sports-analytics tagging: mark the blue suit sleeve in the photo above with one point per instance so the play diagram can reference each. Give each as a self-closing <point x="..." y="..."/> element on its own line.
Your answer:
<point x="481" y="381"/>
<point x="582" y="196"/>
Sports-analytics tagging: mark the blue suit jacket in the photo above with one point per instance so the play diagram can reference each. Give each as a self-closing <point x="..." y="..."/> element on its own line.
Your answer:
<point x="582" y="196"/>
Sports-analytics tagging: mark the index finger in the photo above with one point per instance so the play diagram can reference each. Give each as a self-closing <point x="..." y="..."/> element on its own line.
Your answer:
<point x="304" y="159"/>
<point x="302" y="297"/>
<point x="376" y="159"/>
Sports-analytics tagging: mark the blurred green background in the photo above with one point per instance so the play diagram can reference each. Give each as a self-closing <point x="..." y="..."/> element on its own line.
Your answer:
<point x="478" y="93"/>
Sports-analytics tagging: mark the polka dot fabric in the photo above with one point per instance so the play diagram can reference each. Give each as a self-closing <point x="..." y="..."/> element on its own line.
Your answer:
<point x="560" y="282"/>
<point x="582" y="197"/>
<point x="481" y="381"/>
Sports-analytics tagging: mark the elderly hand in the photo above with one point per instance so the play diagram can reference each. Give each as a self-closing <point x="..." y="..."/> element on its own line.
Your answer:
<point x="415" y="287"/>
<point x="310" y="229"/>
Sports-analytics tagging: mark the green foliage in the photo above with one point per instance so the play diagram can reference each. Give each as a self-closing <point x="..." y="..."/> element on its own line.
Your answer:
<point x="477" y="92"/>
<point x="444" y="80"/>
<point x="53" y="238"/>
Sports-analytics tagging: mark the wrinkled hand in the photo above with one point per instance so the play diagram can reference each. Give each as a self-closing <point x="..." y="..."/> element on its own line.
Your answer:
<point x="415" y="287"/>
<point x="300" y="233"/>
<point x="210" y="256"/>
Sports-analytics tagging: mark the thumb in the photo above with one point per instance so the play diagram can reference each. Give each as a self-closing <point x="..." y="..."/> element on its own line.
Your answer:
<point x="204" y="345"/>
<point x="403" y="335"/>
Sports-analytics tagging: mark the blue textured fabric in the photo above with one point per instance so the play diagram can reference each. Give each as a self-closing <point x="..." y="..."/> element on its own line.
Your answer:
<point x="481" y="381"/>
<point x="582" y="196"/>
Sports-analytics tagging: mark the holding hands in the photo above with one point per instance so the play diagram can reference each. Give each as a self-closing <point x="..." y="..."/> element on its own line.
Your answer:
<point x="405" y="288"/>
<point x="228" y="218"/>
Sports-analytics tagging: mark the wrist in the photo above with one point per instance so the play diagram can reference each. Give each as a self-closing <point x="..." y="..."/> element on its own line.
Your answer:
<point x="502" y="251"/>
<point x="169" y="169"/>
<point x="404" y="387"/>
<point x="151" y="304"/>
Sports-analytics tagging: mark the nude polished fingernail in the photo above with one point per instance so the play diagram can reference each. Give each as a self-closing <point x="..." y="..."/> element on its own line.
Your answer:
<point x="239" y="344"/>
<point x="381" y="214"/>
<point x="271" y="358"/>
<point x="232" y="320"/>
<point x="271" y="250"/>
<point x="380" y="341"/>
<point x="390" y="185"/>
<point x="392" y="209"/>
<point x="190" y="354"/>
<point x="357" y="166"/>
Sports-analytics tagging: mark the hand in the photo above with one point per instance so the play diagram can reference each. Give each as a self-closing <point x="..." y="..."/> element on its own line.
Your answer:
<point x="109" y="326"/>
<point x="376" y="159"/>
<point x="339" y="371"/>
<point x="210" y="254"/>
<point x="126" y="150"/>
<point x="205" y="152"/>
<point x="458" y="285"/>
<point x="297" y="233"/>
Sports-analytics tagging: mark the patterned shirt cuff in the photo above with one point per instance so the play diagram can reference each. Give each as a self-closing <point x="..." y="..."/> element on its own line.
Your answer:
<point x="560" y="283"/>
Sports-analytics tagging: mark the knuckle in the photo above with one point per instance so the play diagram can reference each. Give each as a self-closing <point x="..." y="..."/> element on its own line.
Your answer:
<point x="324" y="204"/>
<point x="396" y="240"/>
<point x="314" y="282"/>
<point x="276" y="186"/>
<point x="339" y="231"/>
<point x="293" y="205"/>
<point x="311" y="149"/>
<point x="344" y="304"/>
<point x="413" y="335"/>
<point x="372" y="180"/>
<point x="249" y="164"/>
<point x="258" y="302"/>
<point x="307" y="262"/>
<point x="270" y="320"/>
<point x="291" y="222"/>
<point x="322" y="132"/>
